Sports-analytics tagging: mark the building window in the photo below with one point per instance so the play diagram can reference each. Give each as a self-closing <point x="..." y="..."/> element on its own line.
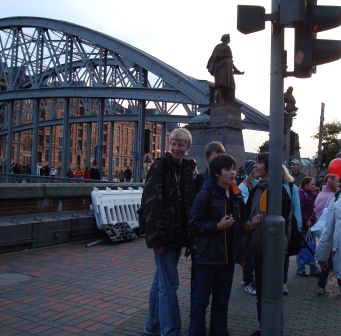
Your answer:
<point x="60" y="156"/>
<point x="47" y="155"/>
<point x="41" y="140"/>
<point x="27" y="144"/>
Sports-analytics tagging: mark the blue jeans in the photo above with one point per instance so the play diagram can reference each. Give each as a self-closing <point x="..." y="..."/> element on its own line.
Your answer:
<point x="215" y="279"/>
<point x="301" y="267"/>
<point x="164" y="313"/>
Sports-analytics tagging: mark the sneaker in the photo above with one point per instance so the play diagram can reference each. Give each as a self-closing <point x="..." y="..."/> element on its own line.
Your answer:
<point x="320" y="291"/>
<point x="302" y="274"/>
<point x="153" y="333"/>
<point x="285" y="289"/>
<point x="242" y="283"/>
<point x="250" y="288"/>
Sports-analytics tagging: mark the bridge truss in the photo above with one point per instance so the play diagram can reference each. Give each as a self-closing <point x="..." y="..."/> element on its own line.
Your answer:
<point x="48" y="67"/>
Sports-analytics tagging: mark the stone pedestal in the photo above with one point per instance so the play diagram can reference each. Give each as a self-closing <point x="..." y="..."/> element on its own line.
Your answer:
<point x="224" y="124"/>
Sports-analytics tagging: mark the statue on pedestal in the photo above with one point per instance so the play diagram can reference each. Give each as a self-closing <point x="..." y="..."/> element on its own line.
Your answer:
<point x="290" y="102"/>
<point x="220" y="65"/>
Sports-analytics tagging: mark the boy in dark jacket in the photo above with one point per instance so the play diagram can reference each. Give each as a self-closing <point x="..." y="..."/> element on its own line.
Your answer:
<point x="166" y="202"/>
<point x="215" y="227"/>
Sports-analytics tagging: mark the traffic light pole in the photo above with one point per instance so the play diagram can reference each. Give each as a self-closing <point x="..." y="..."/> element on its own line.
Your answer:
<point x="319" y="149"/>
<point x="273" y="226"/>
<point x="308" y="19"/>
<point x="288" y="129"/>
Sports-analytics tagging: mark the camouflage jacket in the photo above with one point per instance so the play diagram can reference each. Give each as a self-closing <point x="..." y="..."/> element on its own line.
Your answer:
<point x="166" y="215"/>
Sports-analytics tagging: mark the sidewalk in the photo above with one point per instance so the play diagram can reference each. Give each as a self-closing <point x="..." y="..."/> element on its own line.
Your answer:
<point x="103" y="290"/>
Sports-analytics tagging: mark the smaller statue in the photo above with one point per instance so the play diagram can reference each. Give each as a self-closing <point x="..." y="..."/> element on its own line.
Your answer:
<point x="220" y="65"/>
<point x="290" y="102"/>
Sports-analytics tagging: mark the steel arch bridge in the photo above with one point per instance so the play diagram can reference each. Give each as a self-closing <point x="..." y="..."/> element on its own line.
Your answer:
<point x="49" y="65"/>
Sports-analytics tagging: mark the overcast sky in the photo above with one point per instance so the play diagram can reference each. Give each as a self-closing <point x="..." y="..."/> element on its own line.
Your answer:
<point x="184" y="33"/>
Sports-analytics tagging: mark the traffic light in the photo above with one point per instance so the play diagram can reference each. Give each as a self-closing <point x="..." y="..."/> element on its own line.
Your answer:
<point x="310" y="51"/>
<point x="324" y="160"/>
<point x="250" y="19"/>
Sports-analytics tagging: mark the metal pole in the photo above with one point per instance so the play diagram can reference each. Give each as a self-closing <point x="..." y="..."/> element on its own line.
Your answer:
<point x="9" y="160"/>
<point x="273" y="226"/>
<point x="111" y="150"/>
<point x="319" y="148"/>
<point x="66" y="138"/>
<point x="288" y="128"/>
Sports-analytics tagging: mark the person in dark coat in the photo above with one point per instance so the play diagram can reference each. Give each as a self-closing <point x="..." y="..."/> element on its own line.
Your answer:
<point x="166" y="203"/>
<point x="128" y="174"/>
<point x="94" y="173"/>
<point x="47" y="170"/>
<point x="215" y="227"/>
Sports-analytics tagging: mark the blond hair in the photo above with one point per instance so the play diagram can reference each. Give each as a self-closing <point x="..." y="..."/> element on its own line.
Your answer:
<point x="181" y="134"/>
<point x="249" y="180"/>
<point x="286" y="175"/>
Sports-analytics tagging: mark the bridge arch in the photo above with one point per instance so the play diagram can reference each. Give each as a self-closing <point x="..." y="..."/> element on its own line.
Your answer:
<point x="49" y="66"/>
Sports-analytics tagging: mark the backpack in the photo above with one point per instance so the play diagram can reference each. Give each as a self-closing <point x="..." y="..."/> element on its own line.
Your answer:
<point x="295" y="241"/>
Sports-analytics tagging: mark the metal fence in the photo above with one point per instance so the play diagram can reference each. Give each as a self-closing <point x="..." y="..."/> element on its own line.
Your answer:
<point x="23" y="178"/>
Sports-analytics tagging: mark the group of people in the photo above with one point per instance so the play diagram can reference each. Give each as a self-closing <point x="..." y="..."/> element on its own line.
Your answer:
<point x="218" y="224"/>
<point x="41" y="170"/>
<point x="126" y="175"/>
<point x="93" y="173"/>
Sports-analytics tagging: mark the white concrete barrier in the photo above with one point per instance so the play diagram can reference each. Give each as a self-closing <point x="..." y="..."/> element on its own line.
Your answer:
<point x="116" y="206"/>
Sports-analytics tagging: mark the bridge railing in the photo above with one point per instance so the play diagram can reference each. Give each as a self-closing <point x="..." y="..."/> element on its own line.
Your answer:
<point x="23" y="178"/>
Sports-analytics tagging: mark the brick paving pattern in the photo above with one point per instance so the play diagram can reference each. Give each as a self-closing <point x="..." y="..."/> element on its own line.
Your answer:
<point x="103" y="290"/>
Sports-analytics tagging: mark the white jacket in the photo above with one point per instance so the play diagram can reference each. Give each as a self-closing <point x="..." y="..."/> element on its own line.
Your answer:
<point x="331" y="237"/>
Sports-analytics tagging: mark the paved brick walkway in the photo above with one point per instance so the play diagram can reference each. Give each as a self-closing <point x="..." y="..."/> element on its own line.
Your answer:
<point x="103" y="290"/>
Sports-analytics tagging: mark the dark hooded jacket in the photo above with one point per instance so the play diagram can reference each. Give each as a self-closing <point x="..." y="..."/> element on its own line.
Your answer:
<point x="210" y="246"/>
<point x="166" y="216"/>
